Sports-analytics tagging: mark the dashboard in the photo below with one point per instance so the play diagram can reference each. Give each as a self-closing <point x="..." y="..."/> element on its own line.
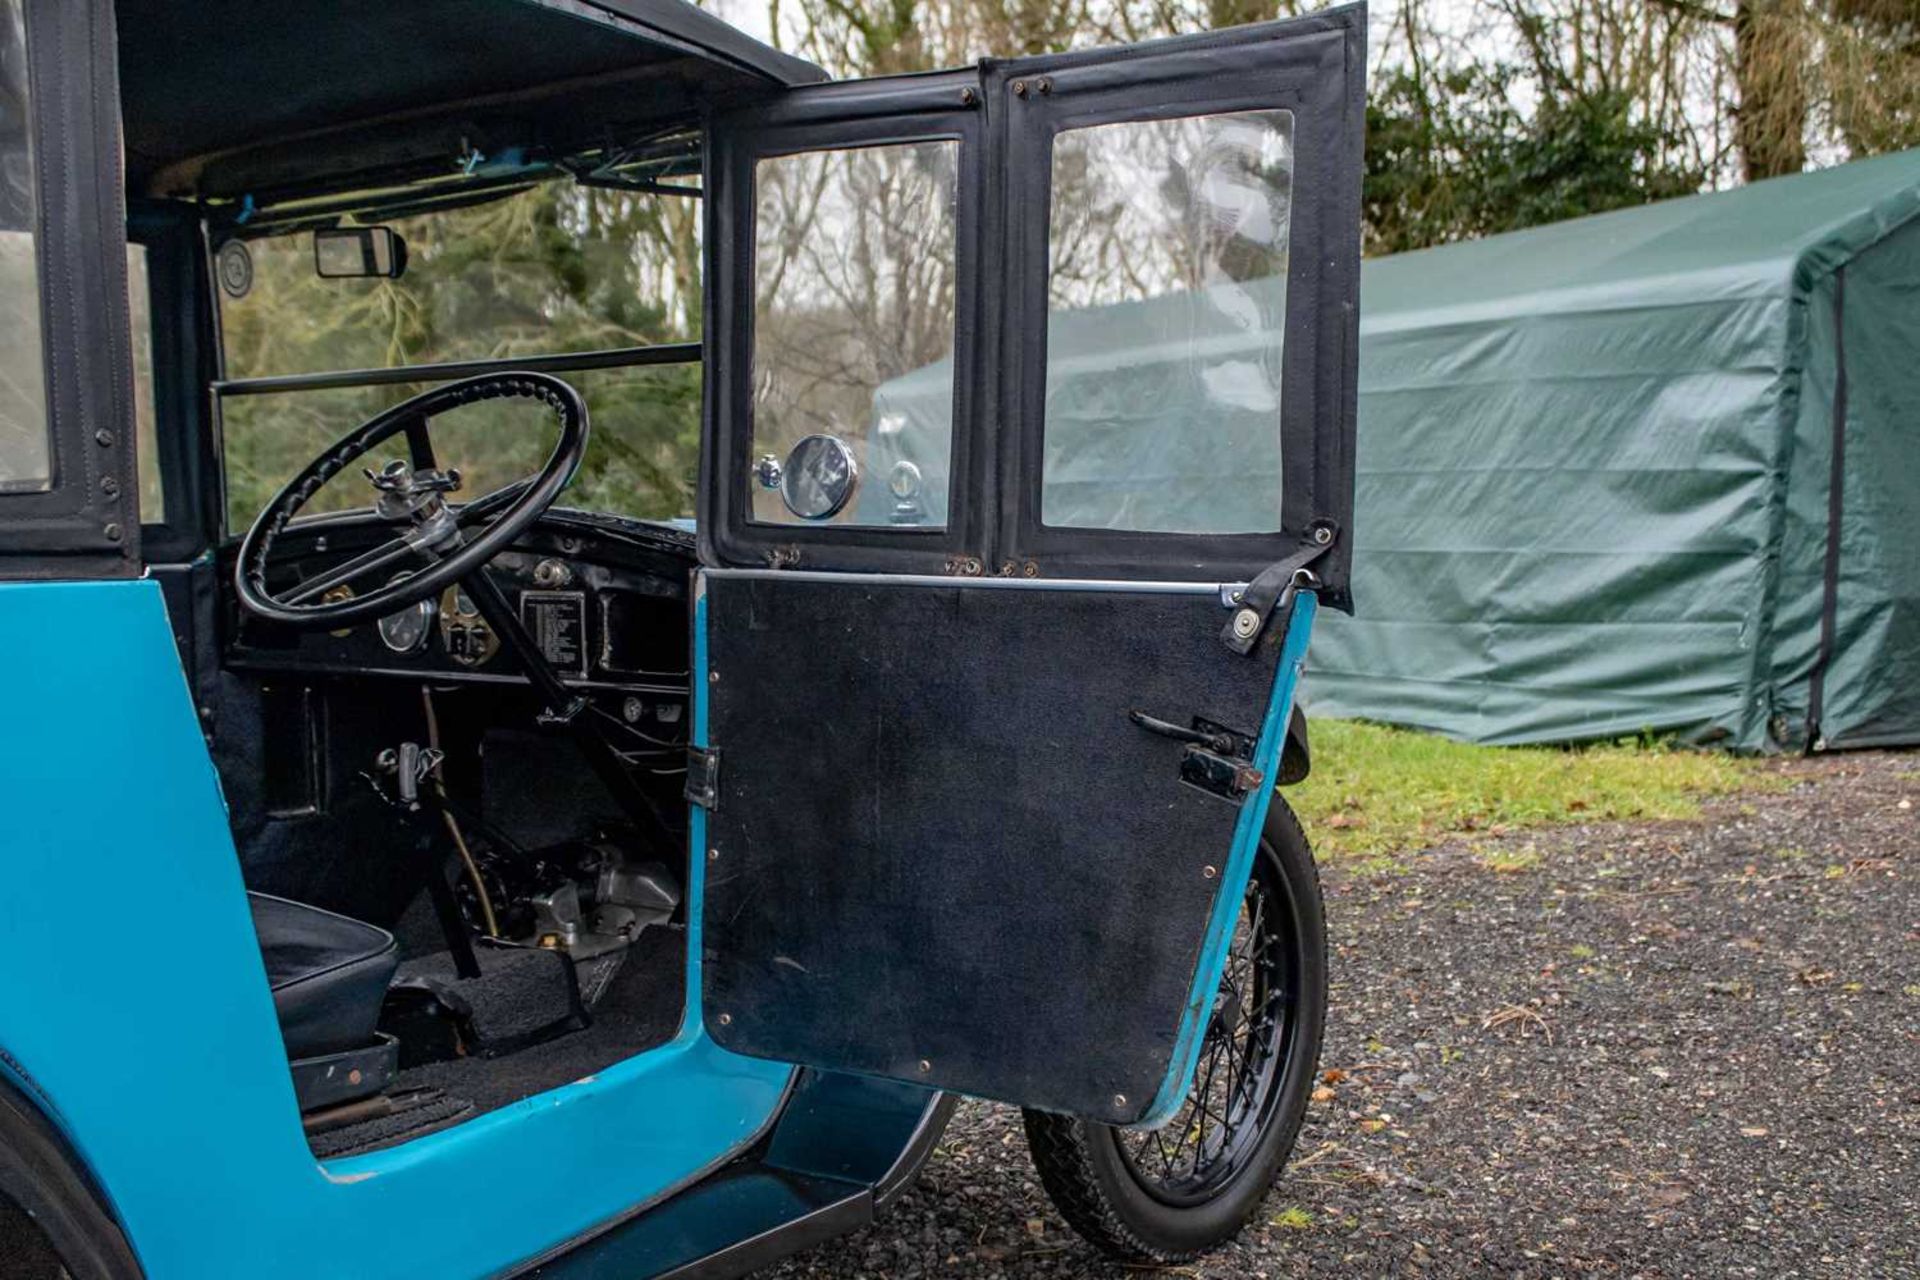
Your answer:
<point x="604" y="598"/>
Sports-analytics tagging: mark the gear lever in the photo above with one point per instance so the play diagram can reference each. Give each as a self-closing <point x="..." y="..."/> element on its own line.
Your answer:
<point x="411" y="764"/>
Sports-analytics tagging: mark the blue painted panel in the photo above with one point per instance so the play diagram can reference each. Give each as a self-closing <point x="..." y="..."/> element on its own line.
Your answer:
<point x="132" y="995"/>
<point x="1239" y="868"/>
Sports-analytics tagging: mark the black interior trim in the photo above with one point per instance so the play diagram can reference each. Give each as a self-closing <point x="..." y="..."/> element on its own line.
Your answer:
<point x="282" y="105"/>
<point x="665" y="353"/>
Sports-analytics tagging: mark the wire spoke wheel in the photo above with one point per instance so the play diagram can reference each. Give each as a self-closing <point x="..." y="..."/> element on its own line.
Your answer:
<point x="1235" y="1087"/>
<point x="1172" y="1193"/>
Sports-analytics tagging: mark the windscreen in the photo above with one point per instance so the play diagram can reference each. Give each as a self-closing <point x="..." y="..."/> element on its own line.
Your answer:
<point x="551" y="269"/>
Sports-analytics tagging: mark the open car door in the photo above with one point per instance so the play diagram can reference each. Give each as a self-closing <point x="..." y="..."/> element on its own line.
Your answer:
<point x="1030" y="405"/>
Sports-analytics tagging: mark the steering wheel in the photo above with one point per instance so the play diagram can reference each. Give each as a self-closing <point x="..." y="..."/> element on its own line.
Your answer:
<point x="433" y="531"/>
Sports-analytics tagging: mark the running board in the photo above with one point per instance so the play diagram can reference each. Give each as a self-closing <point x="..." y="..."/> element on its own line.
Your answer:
<point x="734" y="1223"/>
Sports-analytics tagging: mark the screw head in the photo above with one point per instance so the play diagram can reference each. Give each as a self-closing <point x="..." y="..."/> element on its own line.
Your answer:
<point x="1019" y="88"/>
<point x="968" y="97"/>
<point x="1209" y="872"/>
<point x="713" y="855"/>
<point x="113" y="532"/>
<point x="103" y="438"/>
<point x="713" y="677"/>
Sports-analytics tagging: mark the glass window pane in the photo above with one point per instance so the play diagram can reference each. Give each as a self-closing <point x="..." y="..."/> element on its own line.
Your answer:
<point x="854" y="262"/>
<point x="642" y="454"/>
<point x="26" y="443"/>
<point x="1166" y="298"/>
<point x="557" y="268"/>
<point x="146" y="444"/>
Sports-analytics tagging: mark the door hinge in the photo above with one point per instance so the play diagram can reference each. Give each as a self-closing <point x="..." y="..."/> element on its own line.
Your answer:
<point x="1217" y="759"/>
<point x="703" y="777"/>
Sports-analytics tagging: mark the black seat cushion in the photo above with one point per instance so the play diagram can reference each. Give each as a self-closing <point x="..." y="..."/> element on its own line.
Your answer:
<point x="328" y="972"/>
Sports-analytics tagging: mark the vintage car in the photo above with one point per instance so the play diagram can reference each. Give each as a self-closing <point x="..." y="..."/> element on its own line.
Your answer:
<point x="595" y="626"/>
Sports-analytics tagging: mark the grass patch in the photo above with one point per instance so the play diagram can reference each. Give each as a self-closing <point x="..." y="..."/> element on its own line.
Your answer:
<point x="1376" y="791"/>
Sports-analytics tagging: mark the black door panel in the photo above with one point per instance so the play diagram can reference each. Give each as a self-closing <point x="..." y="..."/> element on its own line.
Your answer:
<point x="924" y="789"/>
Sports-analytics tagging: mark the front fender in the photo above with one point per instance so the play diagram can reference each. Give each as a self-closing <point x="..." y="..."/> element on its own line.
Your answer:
<point x="1296" y="761"/>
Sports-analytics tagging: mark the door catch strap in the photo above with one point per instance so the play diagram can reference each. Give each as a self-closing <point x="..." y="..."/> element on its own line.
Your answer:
<point x="1273" y="590"/>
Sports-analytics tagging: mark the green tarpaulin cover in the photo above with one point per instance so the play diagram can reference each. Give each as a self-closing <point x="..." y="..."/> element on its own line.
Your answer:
<point x="1602" y="466"/>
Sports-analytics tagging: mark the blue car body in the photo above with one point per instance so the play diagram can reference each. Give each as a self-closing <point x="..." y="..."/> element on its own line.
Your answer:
<point x="137" y="1020"/>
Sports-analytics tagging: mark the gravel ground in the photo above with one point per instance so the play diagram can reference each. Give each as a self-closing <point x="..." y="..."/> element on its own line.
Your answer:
<point x="1633" y="1049"/>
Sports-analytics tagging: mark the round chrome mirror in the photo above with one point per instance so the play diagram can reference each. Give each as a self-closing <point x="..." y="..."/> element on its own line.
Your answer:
<point x="819" y="478"/>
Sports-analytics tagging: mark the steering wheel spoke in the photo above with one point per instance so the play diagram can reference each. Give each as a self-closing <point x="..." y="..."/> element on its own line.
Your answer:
<point x="451" y="542"/>
<point x="387" y="554"/>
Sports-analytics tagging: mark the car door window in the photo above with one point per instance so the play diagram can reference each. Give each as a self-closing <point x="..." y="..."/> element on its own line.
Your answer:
<point x="854" y="306"/>
<point x="26" y="445"/>
<point x="1166" y="307"/>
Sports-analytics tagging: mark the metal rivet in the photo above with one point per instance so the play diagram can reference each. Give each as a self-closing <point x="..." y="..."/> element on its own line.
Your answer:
<point x="1019" y="88"/>
<point x="1044" y="85"/>
<point x="1246" y="623"/>
<point x="725" y="1019"/>
<point x="1030" y="570"/>
<point x="110" y="486"/>
<point x="1119" y="1099"/>
<point x="113" y="532"/>
<point x="1322" y="535"/>
<point x="1209" y="872"/>
<point x="103" y="438"/>
<point x="925" y="1066"/>
<point x="713" y="855"/>
<point x="713" y="677"/>
<point x="353" y="1076"/>
<point x="968" y="97"/>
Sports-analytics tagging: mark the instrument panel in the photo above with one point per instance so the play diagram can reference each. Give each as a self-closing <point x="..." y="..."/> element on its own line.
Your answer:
<point x="604" y="600"/>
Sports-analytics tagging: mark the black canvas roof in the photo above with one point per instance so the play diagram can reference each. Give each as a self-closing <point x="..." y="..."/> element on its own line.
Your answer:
<point x="255" y="98"/>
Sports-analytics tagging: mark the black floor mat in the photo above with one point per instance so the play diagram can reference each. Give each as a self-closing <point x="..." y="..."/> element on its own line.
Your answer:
<point x="639" y="1008"/>
<point x="414" y="1114"/>
<point x="519" y="993"/>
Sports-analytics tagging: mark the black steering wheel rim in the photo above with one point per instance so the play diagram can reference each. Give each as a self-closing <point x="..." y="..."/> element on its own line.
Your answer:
<point x="524" y="502"/>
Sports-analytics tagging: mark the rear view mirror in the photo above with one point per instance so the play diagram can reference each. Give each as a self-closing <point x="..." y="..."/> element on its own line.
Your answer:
<point x="348" y="253"/>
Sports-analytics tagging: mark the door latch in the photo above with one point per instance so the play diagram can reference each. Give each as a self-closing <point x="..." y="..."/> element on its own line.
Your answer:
<point x="1218" y="760"/>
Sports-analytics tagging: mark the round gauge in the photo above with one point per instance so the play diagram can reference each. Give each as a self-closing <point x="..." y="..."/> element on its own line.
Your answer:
<point x="464" y="634"/>
<point x="338" y="595"/>
<point x="406" y="631"/>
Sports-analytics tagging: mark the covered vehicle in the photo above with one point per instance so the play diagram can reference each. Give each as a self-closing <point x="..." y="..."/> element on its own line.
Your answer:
<point x="1654" y="470"/>
<point x="484" y="796"/>
<point x="1650" y="471"/>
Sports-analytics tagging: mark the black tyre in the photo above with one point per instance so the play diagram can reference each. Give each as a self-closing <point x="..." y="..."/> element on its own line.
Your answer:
<point x="53" y="1225"/>
<point x="1170" y="1194"/>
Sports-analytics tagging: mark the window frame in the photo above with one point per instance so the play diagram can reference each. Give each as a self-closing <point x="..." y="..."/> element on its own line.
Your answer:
<point x="85" y="523"/>
<point x="854" y="114"/>
<point x="1313" y="67"/>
